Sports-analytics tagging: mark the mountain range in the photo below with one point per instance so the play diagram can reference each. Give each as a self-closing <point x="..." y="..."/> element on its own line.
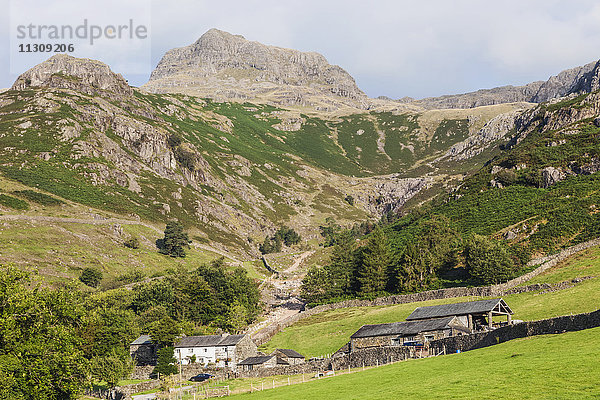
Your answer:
<point x="235" y="139"/>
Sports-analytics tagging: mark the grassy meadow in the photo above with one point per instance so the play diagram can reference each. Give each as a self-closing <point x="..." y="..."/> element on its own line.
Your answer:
<point x="561" y="366"/>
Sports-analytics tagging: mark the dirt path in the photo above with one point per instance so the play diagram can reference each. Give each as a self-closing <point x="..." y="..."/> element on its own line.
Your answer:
<point x="299" y="261"/>
<point x="282" y="297"/>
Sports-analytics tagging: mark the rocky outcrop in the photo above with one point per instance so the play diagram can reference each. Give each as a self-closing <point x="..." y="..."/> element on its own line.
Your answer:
<point x="496" y="129"/>
<point x="551" y="175"/>
<point x="79" y="74"/>
<point x="224" y="66"/>
<point x="584" y="79"/>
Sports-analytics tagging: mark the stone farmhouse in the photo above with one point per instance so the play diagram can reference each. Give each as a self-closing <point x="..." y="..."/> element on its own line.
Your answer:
<point x="476" y="315"/>
<point x="291" y="356"/>
<point x="221" y="350"/>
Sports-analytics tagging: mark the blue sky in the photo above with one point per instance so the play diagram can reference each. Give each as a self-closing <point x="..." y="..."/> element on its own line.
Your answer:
<point x="393" y="48"/>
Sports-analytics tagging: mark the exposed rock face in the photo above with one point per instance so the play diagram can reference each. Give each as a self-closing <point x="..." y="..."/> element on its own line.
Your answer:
<point x="585" y="79"/>
<point x="225" y="66"/>
<point x="551" y="175"/>
<point x="80" y="74"/>
<point x="496" y="129"/>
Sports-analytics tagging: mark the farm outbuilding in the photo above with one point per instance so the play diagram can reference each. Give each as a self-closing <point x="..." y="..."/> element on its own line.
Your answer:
<point x="476" y="315"/>
<point x="291" y="356"/>
<point x="252" y="363"/>
<point x="400" y="333"/>
<point x="143" y="350"/>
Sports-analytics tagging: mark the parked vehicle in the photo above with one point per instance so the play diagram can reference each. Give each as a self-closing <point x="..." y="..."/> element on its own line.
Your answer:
<point x="201" y="377"/>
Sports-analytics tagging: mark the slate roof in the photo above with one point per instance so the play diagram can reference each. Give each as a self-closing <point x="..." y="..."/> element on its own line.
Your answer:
<point x="290" y="353"/>
<point x="256" y="360"/>
<point x="209" y="341"/>
<point x="143" y="339"/>
<point x="403" y="328"/>
<point x="231" y="340"/>
<point x="470" y="307"/>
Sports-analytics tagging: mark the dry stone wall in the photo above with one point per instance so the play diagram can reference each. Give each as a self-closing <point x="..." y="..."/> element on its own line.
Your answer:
<point x="567" y="323"/>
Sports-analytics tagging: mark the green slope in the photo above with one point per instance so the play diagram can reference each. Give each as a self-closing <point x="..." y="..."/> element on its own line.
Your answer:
<point x="561" y="366"/>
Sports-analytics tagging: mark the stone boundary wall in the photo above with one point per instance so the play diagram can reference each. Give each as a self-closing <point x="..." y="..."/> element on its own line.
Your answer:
<point x="265" y="334"/>
<point x="566" y="323"/>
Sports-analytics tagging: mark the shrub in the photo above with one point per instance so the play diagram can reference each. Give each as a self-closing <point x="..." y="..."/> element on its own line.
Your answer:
<point x="38" y="197"/>
<point x="91" y="276"/>
<point x="14" y="203"/>
<point x="132" y="243"/>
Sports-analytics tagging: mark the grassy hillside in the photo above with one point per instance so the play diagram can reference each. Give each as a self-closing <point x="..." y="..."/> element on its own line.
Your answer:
<point x="57" y="238"/>
<point x="544" y="367"/>
<point x="223" y="168"/>
<point x="326" y="332"/>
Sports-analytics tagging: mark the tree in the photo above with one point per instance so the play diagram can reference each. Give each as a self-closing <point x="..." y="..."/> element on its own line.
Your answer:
<point x="91" y="276"/>
<point x="40" y="346"/>
<point x="164" y="331"/>
<point x="373" y="271"/>
<point x="488" y="261"/>
<point x="432" y="248"/>
<point x="166" y="362"/>
<point x="330" y="231"/>
<point x="315" y="284"/>
<point x="342" y="265"/>
<point x="110" y="368"/>
<point x="175" y="240"/>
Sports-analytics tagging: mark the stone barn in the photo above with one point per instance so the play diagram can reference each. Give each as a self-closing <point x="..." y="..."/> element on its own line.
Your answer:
<point x="270" y="361"/>
<point x="143" y="350"/>
<point x="476" y="315"/>
<point x="399" y="333"/>
<point x="291" y="356"/>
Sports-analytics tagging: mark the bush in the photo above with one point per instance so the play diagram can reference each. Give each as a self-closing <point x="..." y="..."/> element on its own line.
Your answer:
<point x="349" y="199"/>
<point x="38" y="197"/>
<point x="132" y="243"/>
<point x="14" y="203"/>
<point x="506" y="177"/>
<point x="91" y="276"/>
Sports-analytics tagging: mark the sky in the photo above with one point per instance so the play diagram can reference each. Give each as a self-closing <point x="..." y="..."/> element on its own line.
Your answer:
<point x="393" y="48"/>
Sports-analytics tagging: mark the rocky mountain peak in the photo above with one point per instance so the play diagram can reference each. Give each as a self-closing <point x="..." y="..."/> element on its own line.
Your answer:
<point x="229" y="67"/>
<point x="80" y="74"/>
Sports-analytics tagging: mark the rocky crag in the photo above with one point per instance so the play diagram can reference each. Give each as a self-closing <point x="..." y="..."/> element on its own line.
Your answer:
<point x="223" y="66"/>
<point x="584" y="79"/>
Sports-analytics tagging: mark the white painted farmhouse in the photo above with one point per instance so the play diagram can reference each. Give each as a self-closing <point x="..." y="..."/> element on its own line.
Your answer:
<point x="221" y="350"/>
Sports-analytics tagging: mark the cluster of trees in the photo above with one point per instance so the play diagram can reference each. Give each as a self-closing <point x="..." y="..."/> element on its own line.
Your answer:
<point x="274" y="244"/>
<point x="413" y="260"/>
<point x="54" y="342"/>
<point x="332" y="231"/>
